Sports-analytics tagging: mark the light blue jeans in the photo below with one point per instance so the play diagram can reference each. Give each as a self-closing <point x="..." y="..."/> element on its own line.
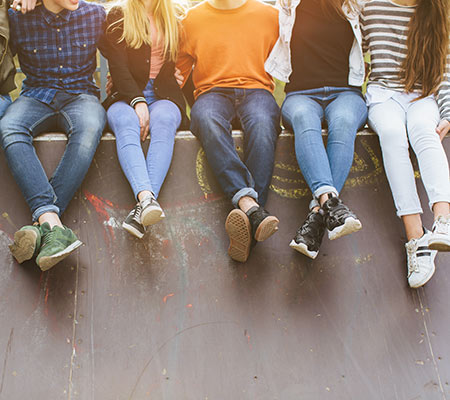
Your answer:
<point x="165" y="118"/>
<point x="345" y="111"/>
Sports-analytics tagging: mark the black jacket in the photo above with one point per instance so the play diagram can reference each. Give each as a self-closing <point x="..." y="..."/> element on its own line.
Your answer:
<point x="130" y="70"/>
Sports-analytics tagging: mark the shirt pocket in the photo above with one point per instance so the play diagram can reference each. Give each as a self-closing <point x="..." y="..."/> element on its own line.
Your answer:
<point x="83" y="51"/>
<point x="38" y="55"/>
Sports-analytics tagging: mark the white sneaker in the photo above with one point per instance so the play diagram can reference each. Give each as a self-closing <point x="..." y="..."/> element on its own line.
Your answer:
<point x="420" y="261"/>
<point x="440" y="234"/>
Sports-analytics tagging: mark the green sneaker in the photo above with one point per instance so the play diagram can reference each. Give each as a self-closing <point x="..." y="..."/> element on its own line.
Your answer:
<point x="27" y="242"/>
<point x="57" y="244"/>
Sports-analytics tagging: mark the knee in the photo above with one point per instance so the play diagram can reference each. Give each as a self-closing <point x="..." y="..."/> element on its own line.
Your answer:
<point x="205" y="121"/>
<point x="11" y="133"/>
<point x="299" y="117"/>
<point x="168" y="116"/>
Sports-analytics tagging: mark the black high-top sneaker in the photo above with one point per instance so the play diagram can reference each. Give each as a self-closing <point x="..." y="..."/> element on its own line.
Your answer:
<point x="309" y="236"/>
<point x="263" y="224"/>
<point x="132" y="223"/>
<point x="338" y="218"/>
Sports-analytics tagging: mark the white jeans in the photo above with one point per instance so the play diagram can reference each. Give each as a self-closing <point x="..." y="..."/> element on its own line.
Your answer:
<point x="398" y="122"/>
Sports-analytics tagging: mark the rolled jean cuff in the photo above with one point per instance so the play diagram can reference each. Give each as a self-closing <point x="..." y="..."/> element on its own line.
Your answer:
<point x="402" y="213"/>
<point x="242" y="193"/>
<point x="42" y="210"/>
<point x="325" y="189"/>
<point x="140" y="189"/>
<point x="438" y="200"/>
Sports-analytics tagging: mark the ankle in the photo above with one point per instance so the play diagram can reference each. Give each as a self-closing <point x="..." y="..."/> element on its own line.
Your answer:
<point x="326" y="196"/>
<point x="51" y="218"/>
<point x="246" y="203"/>
<point x="144" y="195"/>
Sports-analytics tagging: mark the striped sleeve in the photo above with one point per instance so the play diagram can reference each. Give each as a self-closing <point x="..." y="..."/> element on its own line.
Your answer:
<point x="443" y="94"/>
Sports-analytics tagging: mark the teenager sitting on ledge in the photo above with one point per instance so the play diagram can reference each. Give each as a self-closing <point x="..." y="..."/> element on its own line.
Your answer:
<point x="226" y="42"/>
<point x="56" y="44"/>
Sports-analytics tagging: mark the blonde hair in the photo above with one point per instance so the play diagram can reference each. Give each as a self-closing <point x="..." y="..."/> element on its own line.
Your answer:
<point x="136" y="24"/>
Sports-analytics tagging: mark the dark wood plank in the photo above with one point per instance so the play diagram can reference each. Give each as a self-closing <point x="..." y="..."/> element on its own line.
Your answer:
<point x="171" y="317"/>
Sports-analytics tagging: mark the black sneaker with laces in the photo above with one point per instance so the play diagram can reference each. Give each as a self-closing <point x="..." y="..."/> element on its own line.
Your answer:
<point x="132" y="223"/>
<point x="263" y="224"/>
<point x="309" y="236"/>
<point x="338" y="218"/>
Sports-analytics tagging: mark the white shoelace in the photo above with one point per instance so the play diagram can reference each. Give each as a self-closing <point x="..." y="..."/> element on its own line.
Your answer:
<point x="411" y="250"/>
<point x="441" y="225"/>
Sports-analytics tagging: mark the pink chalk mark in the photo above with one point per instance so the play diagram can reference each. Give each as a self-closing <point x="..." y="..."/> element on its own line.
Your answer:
<point x="167" y="296"/>
<point x="45" y="301"/>
<point x="189" y="306"/>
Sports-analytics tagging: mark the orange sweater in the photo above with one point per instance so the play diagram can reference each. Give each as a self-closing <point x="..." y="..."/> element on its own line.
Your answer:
<point x="228" y="48"/>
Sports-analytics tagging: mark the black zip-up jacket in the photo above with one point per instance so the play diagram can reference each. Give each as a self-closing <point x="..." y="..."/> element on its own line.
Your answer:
<point x="130" y="69"/>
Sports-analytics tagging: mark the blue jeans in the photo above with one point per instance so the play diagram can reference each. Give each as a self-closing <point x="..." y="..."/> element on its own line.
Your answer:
<point x="165" y="118"/>
<point x="259" y="115"/>
<point x="81" y="117"/>
<point x="5" y="102"/>
<point x="303" y="112"/>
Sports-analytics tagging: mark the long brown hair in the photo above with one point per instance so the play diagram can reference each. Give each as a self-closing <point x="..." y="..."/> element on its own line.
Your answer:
<point x="428" y="42"/>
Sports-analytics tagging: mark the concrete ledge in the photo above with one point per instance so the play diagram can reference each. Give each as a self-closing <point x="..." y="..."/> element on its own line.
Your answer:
<point x="52" y="137"/>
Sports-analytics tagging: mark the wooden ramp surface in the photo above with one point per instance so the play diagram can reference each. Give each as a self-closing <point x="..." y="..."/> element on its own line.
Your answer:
<point x="171" y="317"/>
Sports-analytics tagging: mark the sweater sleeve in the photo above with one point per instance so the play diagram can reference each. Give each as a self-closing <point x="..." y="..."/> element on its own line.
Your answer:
<point x="443" y="93"/>
<point x="116" y="53"/>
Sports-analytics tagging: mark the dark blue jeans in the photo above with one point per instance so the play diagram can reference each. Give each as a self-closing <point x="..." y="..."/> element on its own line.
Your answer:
<point x="259" y="115"/>
<point x="81" y="117"/>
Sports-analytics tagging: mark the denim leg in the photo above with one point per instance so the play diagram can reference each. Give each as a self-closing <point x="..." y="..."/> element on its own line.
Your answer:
<point x="165" y="118"/>
<point x="303" y="116"/>
<point x="211" y="118"/>
<point x="345" y="114"/>
<point x="260" y="119"/>
<point x="124" y="122"/>
<point x="5" y="102"/>
<point x="23" y="120"/>
<point x="83" y="118"/>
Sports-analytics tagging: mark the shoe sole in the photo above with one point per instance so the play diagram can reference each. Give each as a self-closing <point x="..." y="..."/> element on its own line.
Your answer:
<point x="266" y="228"/>
<point x="351" y="225"/>
<point x="427" y="278"/>
<point x="439" y="245"/>
<point x="45" y="263"/>
<point x="24" y="245"/>
<point x="152" y="216"/>
<point x="132" y="230"/>
<point x="303" y="248"/>
<point x="237" y="226"/>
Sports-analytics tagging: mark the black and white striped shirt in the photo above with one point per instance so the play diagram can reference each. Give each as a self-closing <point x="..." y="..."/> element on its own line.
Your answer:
<point x="384" y="26"/>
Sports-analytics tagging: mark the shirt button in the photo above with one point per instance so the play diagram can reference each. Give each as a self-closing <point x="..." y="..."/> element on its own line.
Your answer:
<point x="60" y="67"/>
<point x="58" y="30"/>
<point x="84" y="45"/>
<point x="59" y="48"/>
<point x="34" y="51"/>
<point x="147" y="61"/>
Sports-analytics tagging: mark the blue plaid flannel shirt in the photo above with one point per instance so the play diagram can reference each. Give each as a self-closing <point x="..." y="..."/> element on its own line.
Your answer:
<point x="57" y="52"/>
